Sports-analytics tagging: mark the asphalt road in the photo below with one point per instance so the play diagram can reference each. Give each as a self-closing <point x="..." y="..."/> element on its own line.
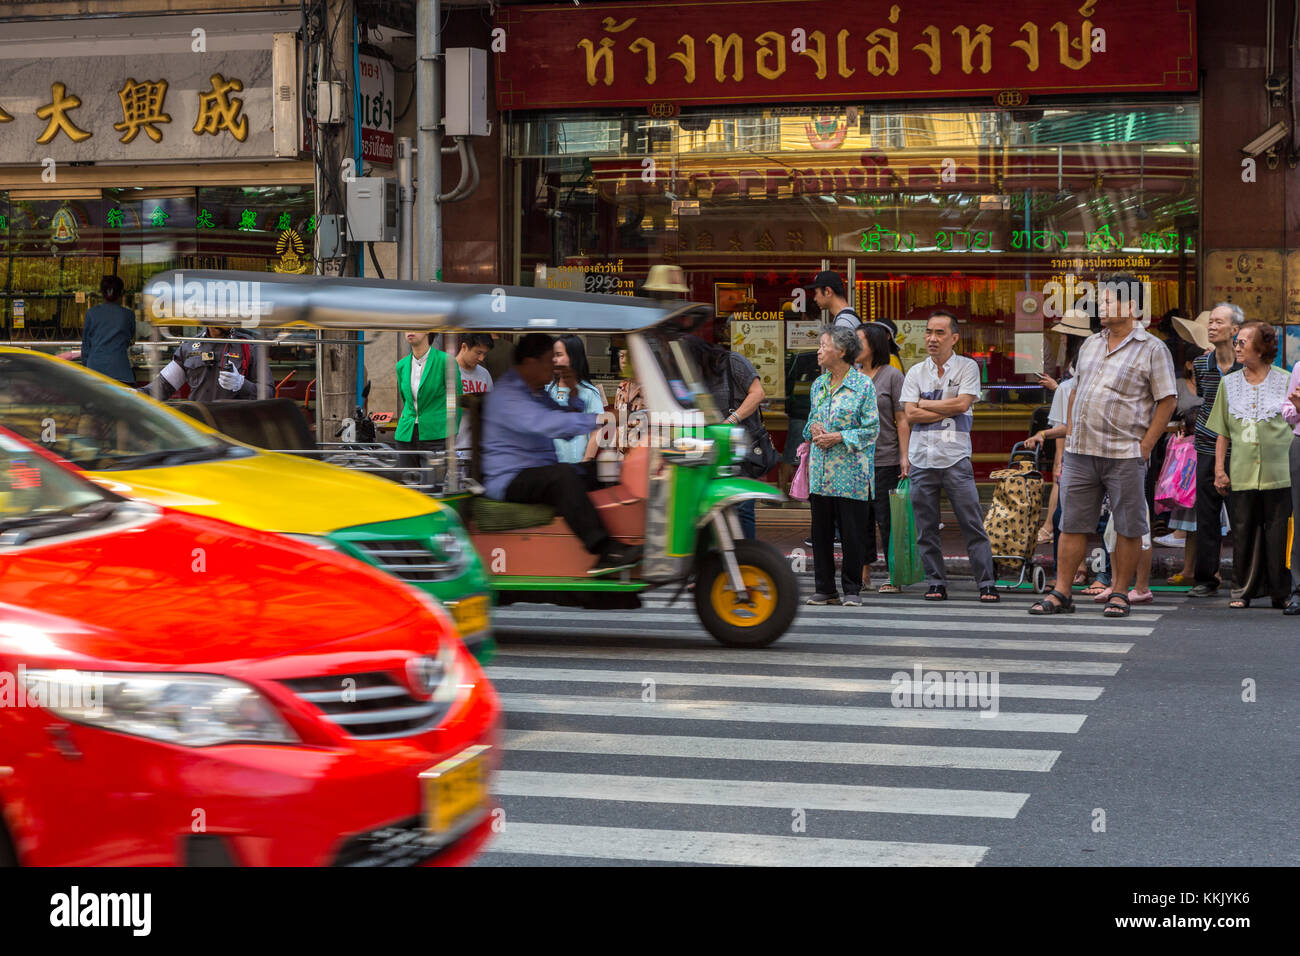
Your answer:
<point x="633" y="737"/>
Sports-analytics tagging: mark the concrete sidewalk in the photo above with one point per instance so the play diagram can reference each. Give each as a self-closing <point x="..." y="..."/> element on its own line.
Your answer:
<point x="787" y="528"/>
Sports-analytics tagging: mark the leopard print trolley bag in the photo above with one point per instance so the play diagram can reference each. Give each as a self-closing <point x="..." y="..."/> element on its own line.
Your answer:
<point x="1014" y="516"/>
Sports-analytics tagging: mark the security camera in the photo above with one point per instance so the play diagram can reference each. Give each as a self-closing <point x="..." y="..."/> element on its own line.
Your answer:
<point x="1267" y="139"/>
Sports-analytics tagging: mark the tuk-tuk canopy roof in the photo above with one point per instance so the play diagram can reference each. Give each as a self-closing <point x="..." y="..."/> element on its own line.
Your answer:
<point x="268" y="300"/>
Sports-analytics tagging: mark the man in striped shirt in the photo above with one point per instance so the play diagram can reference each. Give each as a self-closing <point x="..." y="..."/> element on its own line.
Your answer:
<point x="1225" y="319"/>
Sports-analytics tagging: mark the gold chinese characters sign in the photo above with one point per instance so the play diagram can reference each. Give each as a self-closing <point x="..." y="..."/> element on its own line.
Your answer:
<point x="1250" y="278"/>
<point x="166" y="107"/>
<point x="681" y="54"/>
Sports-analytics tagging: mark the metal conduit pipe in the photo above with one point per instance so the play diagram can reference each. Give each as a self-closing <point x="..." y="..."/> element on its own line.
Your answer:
<point x="465" y="186"/>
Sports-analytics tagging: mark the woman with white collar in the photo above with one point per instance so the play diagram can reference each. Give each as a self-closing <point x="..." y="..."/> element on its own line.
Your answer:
<point x="1247" y="415"/>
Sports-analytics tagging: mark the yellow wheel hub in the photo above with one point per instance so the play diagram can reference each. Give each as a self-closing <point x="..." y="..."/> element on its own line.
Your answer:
<point x="762" y="597"/>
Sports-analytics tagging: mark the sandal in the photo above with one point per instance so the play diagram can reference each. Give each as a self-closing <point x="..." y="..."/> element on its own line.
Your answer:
<point x="1101" y="597"/>
<point x="1141" y="597"/>
<point x="1239" y="604"/>
<point x="1095" y="588"/>
<point x="1117" y="610"/>
<point x="937" y="592"/>
<point x="1064" y="604"/>
<point x="989" y="595"/>
<point x="889" y="589"/>
<point x="1179" y="580"/>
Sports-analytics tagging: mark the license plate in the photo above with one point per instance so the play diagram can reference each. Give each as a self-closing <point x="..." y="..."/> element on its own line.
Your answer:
<point x="456" y="790"/>
<point x="471" y="614"/>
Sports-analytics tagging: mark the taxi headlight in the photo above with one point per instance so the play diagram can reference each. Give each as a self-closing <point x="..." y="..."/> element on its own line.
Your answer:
<point x="315" y="540"/>
<point x="191" y="710"/>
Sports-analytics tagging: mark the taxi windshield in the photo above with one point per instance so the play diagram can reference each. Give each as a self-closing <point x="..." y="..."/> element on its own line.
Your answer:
<point x="91" y="422"/>
<point x="32" y="487"/>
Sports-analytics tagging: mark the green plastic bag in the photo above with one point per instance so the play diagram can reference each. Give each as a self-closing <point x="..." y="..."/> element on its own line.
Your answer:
<point x="904" y="557"/>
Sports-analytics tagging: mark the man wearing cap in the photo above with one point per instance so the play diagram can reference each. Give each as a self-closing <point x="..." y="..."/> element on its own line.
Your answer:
<point x="1214" y="330"/>
<point x="214" y="371"/>
<point x="828" y="293"/>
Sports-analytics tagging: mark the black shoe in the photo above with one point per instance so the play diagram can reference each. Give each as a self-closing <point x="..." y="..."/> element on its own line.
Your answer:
<point x="937" y="592"/>
<point x="617" y="558"/>
<point x="1292" y="606"/>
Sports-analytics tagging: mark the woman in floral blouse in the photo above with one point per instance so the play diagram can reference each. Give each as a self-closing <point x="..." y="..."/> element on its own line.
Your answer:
<point x="1247" y="415"/>
<point x="842" y="427"/>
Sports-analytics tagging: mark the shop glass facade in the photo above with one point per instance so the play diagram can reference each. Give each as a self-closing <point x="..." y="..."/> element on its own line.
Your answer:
<point x="55" y="249"/>
<point x="957" y="207"/>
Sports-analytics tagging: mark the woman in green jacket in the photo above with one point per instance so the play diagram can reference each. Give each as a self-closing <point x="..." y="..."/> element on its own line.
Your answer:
<point x="422" y="387"/>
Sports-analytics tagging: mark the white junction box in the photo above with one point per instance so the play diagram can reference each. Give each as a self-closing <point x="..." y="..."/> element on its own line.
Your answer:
<point x="329" y="102"/>
<point x="372" y="209"/>
<point x="466" y="113"/>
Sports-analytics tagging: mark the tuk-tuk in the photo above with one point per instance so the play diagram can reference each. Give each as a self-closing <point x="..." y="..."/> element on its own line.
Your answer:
<point x="677" y="488"/>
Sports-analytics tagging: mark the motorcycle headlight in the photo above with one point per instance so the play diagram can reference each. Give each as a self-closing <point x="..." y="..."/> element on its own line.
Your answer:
<point x="191" y="710"/>
<point x="739" y="443"/>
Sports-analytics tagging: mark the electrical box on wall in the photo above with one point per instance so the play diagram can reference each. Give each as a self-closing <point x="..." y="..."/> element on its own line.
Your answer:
<point x="329" y="102"/>
<point x="329" y="237"/>
<point x="466" y="112"/>
<point x="372" y="209"/>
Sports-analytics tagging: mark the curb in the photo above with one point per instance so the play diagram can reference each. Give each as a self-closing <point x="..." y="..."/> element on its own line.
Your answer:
<point x="958" y="565"/>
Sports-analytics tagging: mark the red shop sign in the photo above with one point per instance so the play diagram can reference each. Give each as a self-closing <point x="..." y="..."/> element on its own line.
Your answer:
<point x="693" y="53"/>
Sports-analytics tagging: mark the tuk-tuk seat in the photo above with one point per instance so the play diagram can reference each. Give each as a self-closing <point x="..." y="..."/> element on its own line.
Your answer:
<point x="491" y="515"/>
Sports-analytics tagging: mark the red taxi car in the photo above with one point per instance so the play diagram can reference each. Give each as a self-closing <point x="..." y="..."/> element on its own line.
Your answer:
<point x="176" y="690"/>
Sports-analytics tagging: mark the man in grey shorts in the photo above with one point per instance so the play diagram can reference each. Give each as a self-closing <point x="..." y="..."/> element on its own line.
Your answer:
<point x="1123" y="400"/>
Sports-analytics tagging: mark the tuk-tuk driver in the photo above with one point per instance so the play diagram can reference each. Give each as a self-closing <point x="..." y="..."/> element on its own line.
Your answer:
<point x="517" y="449"/>
<point x="214" y="371"/>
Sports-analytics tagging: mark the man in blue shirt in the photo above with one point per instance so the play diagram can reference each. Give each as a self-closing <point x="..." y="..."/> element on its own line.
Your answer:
<point x="517" y="449"/>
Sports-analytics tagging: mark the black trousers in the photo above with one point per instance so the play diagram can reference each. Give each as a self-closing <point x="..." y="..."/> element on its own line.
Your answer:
<point x="417" y="444"/>
<point x="851" y="516"/>
<point x="887" y="478"/>
<point x="1259" y="520"/>
<point x="564" y="488"/>
<point x="1208" y="504"/>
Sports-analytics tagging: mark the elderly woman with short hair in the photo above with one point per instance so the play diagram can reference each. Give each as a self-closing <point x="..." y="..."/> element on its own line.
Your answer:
<point x="842" y="426"/>
<point x="1247" y="416"/>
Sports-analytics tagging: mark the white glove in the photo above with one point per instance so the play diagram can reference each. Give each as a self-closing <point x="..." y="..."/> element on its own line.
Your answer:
<point x="231" y="381"/>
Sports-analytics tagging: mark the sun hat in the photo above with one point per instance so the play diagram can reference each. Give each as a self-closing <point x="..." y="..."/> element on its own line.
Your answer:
<point x="1196" y="331"/>
<point x="666" y="279"/>
<point x="1074" y="322"/>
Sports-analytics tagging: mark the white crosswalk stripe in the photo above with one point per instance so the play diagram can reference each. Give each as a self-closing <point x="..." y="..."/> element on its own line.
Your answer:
<point x="731" y="849"/>
<point x="633" y="736"/>
<point x="854" y="638"/>
<point x="747" y="793"/>
<point x="968" y="719"/>
<point x="794" y="751"/>
<point x="887" y="662"/>
<point x="824" y="684"/>
<point x="850" y="618"/>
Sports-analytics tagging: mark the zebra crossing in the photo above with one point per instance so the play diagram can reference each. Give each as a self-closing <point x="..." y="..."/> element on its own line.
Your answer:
<point x="633" y="737"/>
